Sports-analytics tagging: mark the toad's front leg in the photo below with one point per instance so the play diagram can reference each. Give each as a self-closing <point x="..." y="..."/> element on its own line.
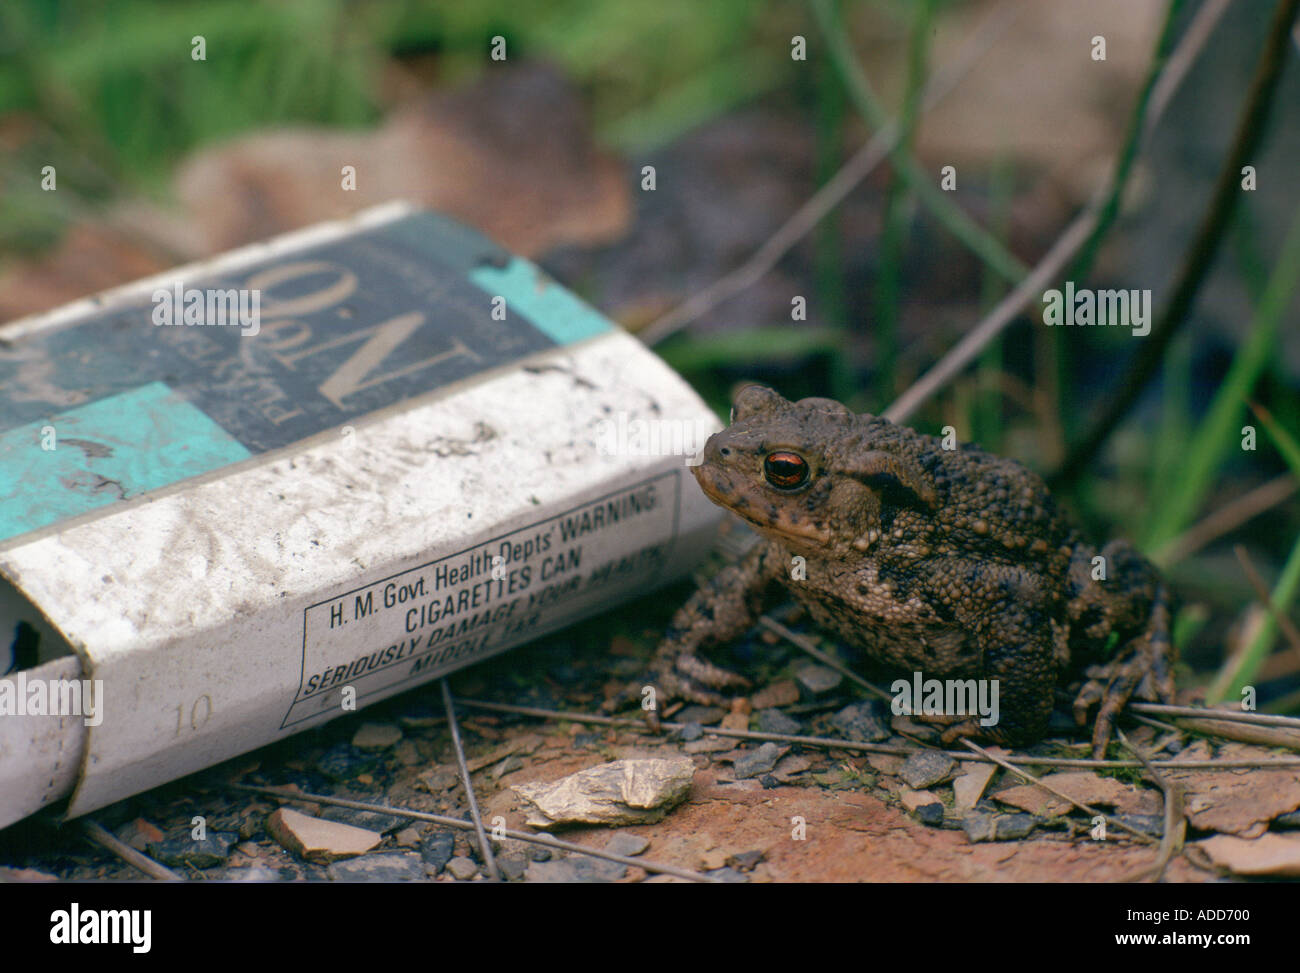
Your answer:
<point x="722" y="609"/>
<point x="1143" y="668"/>
<point x="1136" y="609"/>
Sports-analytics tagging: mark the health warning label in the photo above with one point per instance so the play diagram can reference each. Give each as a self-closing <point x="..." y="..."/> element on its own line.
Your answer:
<point x="458" y="609"/>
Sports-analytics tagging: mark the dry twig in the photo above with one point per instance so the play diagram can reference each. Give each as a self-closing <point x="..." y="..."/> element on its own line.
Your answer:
<point x="1175" y="827"/>
<point x="106" y="839"/>
<point x="485" y="846"/>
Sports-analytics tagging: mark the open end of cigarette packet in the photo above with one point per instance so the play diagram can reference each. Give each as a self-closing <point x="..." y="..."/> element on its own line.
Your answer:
<point x="256" y="493"/>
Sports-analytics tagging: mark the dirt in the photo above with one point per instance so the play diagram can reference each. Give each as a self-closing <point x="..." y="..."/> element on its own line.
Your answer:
<point x="850" y="830"/>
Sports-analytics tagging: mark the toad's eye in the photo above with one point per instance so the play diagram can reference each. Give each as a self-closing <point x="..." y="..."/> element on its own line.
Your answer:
<point x="785" y="471"/>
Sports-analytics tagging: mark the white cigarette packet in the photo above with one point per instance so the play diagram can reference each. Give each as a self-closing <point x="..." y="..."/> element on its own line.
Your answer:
<point x="237" y="496"/>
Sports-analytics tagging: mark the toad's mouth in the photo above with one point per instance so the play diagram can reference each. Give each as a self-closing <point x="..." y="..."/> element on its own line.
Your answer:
<point x="770" y="514"/>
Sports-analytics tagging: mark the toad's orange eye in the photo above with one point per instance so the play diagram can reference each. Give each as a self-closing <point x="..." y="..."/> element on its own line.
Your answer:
<point x="785" y="471"/>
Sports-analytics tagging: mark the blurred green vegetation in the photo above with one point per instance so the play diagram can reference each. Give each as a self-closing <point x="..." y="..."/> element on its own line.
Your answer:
<point x="108" y="76"/>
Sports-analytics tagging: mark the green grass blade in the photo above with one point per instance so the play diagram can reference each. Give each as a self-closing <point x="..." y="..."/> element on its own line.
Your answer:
<point x="948" y="213"/>
<point x="898" y="206"/>
<point x="1286" y="443"/>
<point x="1241" y="670"/>
<point x="1219" y="431"/>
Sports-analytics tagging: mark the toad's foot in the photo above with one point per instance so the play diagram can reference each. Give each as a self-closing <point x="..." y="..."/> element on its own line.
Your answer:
<point x="680" y="675"/>
<point x="1144" y="668"/>
<point x="691" y="677"/>
<point x="957" y="729"/>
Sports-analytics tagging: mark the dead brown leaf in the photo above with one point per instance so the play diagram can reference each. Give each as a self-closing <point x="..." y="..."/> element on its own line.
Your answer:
<point x="1086" y="788"/>
<point x="1271" y="854"/>
<point x="1236" y="801"/>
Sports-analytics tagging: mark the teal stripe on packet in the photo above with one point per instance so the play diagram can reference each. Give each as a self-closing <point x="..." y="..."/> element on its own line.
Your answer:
<point x="552" y="310"/>
<point x="106" y="451"/>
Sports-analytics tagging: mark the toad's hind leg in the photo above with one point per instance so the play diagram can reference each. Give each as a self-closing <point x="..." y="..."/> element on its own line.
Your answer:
<point x="1143" y="667"/>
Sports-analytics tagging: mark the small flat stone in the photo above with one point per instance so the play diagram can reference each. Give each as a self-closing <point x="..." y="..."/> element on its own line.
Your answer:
<point x="703" y="715"/>
<point x="436" y="850"/>
<point x="969" y="787"/>
<point x="979" y="827"/>
<point x="1012" y="827"/>
<point x="818" y="680"/>
<point x="407" y="838"/>
<point x="508" y="766"/>
<point x="1269" y="855"/>
<point x="745" y="860"/>
<point x="714" y="858"/>
<point x="376" y="736"/>
<point x="539" y="853"/>
<point x="727" y="875"/>
<point x="626" y="844"/>
<point x="791" y="766"/>
<point x="629" y="791"/>
<point x="598" y="869"/>
<point x="462" y="869"/>
<point x="735" y="721"/>
<point x="319" y="840"/>
<point x="400" y="866"/>
<point x="755" y="763"/>
<point x="930" y="815"/>
<point x="553" y="872"/>
<point x="181" y="849"/>
<point x="783" y="692"/>
<point x="774" y="721"/>
<point x="1084" y="787"/>
<point x="439" y="779"/>
<point x="925" y="769"/>
<point x="691" y="731"/>
<point x="512" y="867"/>
<point x="865" y="721"/>
<point x="916" y="799"/>
<point x="1152" y="824"/>
<point x="521" y="745"/>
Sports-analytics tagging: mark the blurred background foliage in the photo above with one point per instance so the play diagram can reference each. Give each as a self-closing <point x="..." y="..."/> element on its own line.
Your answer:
<point x="107" y="75"/>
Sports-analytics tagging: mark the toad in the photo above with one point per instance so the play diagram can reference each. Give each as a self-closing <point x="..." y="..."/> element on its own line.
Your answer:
<point x="950" y="562"/>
